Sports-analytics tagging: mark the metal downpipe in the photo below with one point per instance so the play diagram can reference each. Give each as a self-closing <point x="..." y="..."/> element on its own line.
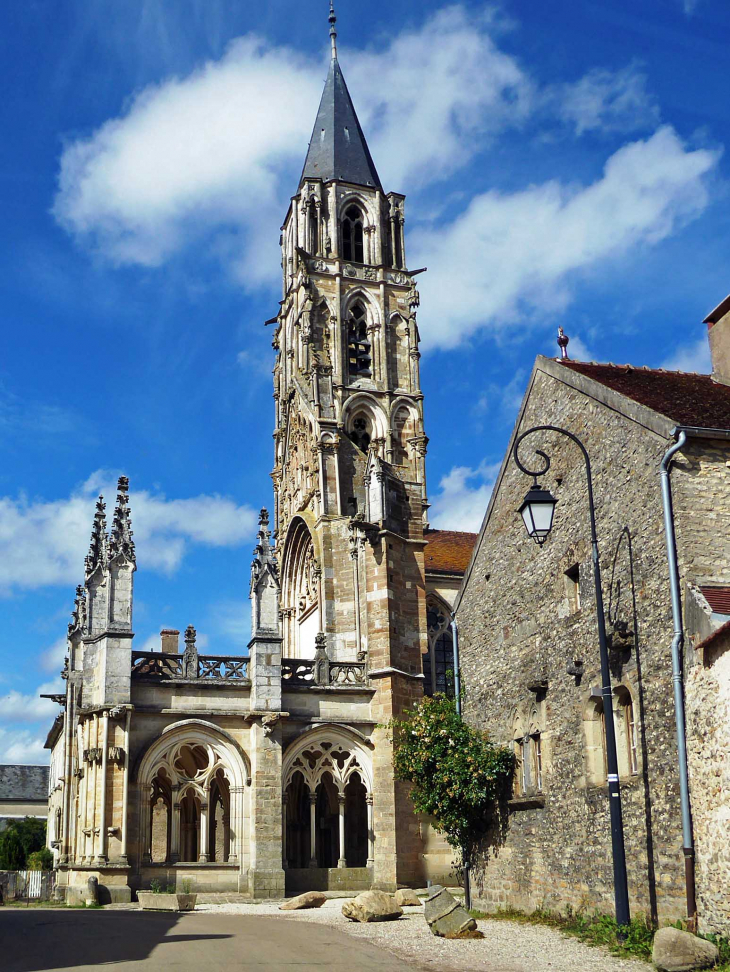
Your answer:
<point x="677" y="643"/>
<point x="457" y="695"/>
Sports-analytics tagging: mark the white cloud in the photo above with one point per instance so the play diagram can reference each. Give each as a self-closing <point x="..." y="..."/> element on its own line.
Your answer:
<point x="17" y="707"/>
<point x="52" y="658"/>
<point x="578" y="350"/>
<point x="434" y="97"/>
<point x="23" y="746"/>
<point x="508" y="257"/>
<point x="44" y="541"/>
<point x="463" y="497"/>
<point x="609" y="101"/>
<point x="694" y="356"/>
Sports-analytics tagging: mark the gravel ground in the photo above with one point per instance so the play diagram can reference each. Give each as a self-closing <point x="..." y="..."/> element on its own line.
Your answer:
<point x="507" y="946"/>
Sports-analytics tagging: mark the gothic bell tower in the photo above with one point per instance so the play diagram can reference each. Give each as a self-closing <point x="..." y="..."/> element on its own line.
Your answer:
<point x="349" y="475"/>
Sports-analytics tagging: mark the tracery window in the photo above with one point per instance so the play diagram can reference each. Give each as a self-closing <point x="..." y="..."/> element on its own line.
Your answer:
<point x="313" y="221"/>
<point x="352" y="235"/>
<point x="626" y="733"/>
<point x="528" y="750"/>
<point x="358" y="345"/>
<point x="439" y="659"/>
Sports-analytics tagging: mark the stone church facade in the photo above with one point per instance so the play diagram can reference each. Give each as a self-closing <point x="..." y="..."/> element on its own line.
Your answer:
<point x="272" y="772"/>
<point x="529" y="643"/>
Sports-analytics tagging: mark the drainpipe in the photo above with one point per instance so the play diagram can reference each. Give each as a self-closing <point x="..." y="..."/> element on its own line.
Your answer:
<point x="457" y="693"/>
<point x="677" y="642"/>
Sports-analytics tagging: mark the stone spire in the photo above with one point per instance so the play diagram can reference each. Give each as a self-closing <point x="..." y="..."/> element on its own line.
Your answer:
<point x="120" y="540"/>
<point x="263" y="555"/>
<point x="338" y="149"/>
<point x="264" y="591"/>
<point x="97" y="555"/>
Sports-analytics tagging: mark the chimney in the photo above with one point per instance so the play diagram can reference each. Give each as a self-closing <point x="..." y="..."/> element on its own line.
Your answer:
<point x="170" y="641"/>
<point x="718" y="324"/>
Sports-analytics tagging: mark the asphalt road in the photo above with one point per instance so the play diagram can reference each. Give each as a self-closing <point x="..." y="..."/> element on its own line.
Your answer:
<point x="37" y="940"/>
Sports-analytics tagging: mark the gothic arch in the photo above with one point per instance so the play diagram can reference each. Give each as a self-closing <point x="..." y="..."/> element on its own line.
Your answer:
<point x="439" y="656"/>
<point x="301" y="600"/>
<point x="404" y="427"/>
<point x="368" y="406"/>
<point x="193" y="769"/>
<point x="328" y="749"/>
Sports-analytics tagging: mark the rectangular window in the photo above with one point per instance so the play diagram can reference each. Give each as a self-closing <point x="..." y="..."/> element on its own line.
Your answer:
<point x="537" y="752"/>
<point x="572" y="588"/>
<point x="631" y="738"/>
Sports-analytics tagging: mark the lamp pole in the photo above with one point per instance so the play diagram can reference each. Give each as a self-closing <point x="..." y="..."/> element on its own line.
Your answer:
<point x="620" y="884"/>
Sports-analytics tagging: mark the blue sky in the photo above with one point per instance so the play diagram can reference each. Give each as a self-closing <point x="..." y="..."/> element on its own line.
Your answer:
<point x="564" y="164"/>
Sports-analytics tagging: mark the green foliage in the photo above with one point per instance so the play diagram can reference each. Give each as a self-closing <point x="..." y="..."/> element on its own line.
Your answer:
<point x="19" y="840"/>
<point x="187" y="886"/>
<point x="40" y="860"/>
<point x="12" y="852"/>
<point x="156" y="886"/>
<point x="458" y="776"/>
<point x="592" y="929"/>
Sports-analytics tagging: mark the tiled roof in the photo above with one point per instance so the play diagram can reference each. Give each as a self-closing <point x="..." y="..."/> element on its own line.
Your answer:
<point x="718" y="598"/>
<point x="448" y="551"/>
<point x="688" y="399"/>
<point x="20" y="782"/>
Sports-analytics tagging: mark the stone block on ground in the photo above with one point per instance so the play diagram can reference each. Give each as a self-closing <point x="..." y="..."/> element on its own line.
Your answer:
<point x="310" y="899"/>
<point x="372" y="906"/>
<point x="679" y="951"/>
<point x="406" y="897"/>
<point x="446" y="917"/>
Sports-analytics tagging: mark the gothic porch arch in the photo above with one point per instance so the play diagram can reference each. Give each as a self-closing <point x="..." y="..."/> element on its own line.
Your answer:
<point x="301" y="587"/>
<point x="327" y="774"/>
<point x="191" y="784"/>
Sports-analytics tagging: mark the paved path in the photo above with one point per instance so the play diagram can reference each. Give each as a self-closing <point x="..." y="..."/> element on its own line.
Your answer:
<point x="47" y="940"/>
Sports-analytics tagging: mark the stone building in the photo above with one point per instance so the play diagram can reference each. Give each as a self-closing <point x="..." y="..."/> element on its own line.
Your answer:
<point x="273" y="771"/>
<point x="529" y="643"/>
<point x="23" y="792"/>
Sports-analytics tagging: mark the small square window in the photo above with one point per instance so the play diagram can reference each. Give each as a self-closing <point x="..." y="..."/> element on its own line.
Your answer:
<point x="572" y="588"/>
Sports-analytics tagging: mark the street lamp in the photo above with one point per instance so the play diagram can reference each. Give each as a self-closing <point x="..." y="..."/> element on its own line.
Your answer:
<point x="537" y="512"/>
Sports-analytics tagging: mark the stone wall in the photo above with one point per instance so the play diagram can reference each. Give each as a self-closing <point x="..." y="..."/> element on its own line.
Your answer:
<point x="708" y="732"/>
<point x="529" y="650"/>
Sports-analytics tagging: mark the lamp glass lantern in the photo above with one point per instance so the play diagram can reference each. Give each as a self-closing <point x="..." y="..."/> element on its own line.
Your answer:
<point x="537" y="511"/>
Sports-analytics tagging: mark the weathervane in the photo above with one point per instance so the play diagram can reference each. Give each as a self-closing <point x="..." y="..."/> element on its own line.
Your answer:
<point x="563" y="341"/>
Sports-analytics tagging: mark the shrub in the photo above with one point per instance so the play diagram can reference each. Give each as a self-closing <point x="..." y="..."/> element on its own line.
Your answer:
<point x="12" y="852"/>
<point x="41" y="860"/>
<point x="458" y="775"/>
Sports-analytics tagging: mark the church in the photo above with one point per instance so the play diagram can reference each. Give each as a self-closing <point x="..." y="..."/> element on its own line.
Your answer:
<point x="271" y="773"/>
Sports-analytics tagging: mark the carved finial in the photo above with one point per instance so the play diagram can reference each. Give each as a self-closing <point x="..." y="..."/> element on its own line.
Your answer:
<point x="190" y="655"/>
<point x="98" y="547"/>
<point x="78" y="615"/>
<point x="263" y="553"/>
<point x="120" y="541"/>
<point x="563" y="341"/>
<point x="190" y="635"/>
<point x="333" y="29"/>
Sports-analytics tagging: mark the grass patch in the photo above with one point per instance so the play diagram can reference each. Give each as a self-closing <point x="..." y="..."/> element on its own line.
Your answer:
<point x="591" y="929"/>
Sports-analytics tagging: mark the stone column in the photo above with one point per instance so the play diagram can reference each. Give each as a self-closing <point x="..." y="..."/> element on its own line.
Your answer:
<point x="203" y="845"/>
<point x="175" y="830"/>
<point x="123" y="856"/>
<point x="342" y="862"/>
<point x="235" y="826"/>
<point x="101" y="857"/>
<point x="371" y="832"/>
<point x="265" y="873"/>
<point x="313" y="829"/>
<point x="284" y="805"/>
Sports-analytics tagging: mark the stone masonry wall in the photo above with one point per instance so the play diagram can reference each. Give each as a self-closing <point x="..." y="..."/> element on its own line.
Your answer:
<point x="521" y="633"/>
<point x="708" y="731"/>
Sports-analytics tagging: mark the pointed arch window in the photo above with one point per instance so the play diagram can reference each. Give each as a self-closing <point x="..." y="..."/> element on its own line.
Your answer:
<point x="358" y="346"/>
<point x="439" y="659"/>
<point x="352" y="235"/>
<point x="313" y="220"/>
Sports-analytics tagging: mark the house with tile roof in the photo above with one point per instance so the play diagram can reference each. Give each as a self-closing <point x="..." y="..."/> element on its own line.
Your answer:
<point x="23" y="792"/>
<point x="527" y="615"/>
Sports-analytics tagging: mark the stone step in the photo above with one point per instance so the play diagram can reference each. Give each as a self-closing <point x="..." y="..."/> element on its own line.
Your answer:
<point x="223" y="897"/>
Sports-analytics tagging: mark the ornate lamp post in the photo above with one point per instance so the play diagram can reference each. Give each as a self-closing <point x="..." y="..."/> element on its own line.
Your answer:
<point x="537" y="512"/>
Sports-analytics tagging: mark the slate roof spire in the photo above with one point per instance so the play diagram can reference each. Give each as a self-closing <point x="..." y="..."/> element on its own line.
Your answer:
<point x="338" y="149"/>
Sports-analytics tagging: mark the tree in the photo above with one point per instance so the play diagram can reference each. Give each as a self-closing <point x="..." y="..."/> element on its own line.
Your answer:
<point x="458" y="775"/>
<point x="12" y="852"/>
<point x="19" y="840"/>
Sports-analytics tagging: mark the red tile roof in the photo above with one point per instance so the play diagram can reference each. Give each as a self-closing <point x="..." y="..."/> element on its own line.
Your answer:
<point x="718" y="598"/>
<point x="688" y="399"/>
<point x="448" y="551"/>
